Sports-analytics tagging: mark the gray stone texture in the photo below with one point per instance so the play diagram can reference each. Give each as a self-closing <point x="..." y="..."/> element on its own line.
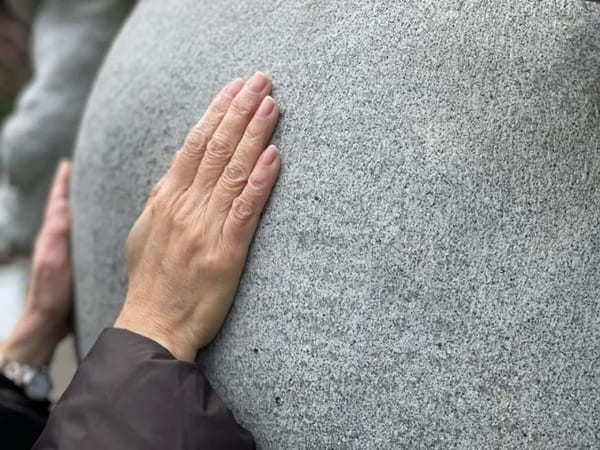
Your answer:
<point x="427" y="271"/>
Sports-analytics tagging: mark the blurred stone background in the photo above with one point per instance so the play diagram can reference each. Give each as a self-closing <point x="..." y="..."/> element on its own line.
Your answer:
<point x="15" y="71"/>
<point x="14" y="60"/>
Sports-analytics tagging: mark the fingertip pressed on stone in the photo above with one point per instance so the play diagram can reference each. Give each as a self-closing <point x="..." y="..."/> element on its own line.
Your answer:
<point x="258" y="82"/>
<point x="266" y="107"/>
<point x="269" y="155"/>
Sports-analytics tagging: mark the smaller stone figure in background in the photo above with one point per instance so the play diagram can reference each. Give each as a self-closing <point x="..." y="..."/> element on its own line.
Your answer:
<point x="68" y="41"/>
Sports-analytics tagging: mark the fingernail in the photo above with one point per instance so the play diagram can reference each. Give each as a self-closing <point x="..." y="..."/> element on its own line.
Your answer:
<point x="266" y="107"/>
<point x="269" y="155"/>
<point x="258" y="82"/>
<point x="235" y="87"/>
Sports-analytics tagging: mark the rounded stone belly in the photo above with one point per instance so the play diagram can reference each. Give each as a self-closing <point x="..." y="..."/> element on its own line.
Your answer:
<point x="426" y="272"/>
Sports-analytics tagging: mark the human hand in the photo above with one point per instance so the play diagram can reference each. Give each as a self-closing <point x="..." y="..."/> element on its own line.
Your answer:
<point x="187" y="249"/>
<point x="51" y="280"/>
<point x="44" y="321"/>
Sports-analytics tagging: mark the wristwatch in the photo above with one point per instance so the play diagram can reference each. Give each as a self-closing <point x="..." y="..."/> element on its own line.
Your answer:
<point x="36" y="383"/>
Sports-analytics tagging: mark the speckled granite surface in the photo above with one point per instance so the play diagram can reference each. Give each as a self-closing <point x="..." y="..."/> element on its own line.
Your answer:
<point x="427" y="272"/>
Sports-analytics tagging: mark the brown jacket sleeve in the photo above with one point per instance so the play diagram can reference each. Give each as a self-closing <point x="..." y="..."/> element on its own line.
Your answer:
<point x="131" y="393"/>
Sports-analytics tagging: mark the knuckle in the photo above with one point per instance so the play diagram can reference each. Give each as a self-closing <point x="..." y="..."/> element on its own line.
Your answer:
<point x="234" y="176"/>
<point x="159" y="207"/>
<point x="180" y="221"/>
<point x="258" y="184"/>
<point x="217" y="148"/>
<point x="194" y="142"/>
<point x="242" y="209"/>
<point x="220" y="106"/>
<point x="213" y="261"/>
<point x="254" y="135"/>
<point x="242" y="107"/>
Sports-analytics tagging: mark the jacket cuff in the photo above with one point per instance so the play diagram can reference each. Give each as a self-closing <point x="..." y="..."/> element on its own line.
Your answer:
<point x="130" y="392"/>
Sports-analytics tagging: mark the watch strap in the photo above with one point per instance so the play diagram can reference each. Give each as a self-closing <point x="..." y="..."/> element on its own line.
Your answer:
<point x="22" y="375"/>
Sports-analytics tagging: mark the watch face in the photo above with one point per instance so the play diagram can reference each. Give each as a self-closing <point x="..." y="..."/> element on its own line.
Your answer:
<point x="38" y="387"/>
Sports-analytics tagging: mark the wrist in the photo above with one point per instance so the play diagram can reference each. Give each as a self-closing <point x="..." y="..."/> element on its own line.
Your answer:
<point x="46" y="305"/>
<point x="138" y="323"/>
<point x="33" y="339"/>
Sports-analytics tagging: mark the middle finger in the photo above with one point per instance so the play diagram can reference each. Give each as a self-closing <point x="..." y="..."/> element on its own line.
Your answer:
<point x="226" y="138"/>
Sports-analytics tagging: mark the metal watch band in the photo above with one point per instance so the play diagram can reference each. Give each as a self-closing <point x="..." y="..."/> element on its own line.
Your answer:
<point x="36" y="383"/>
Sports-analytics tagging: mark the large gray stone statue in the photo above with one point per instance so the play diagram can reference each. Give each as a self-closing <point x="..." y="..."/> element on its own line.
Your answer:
<point x="427" y="272"/>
